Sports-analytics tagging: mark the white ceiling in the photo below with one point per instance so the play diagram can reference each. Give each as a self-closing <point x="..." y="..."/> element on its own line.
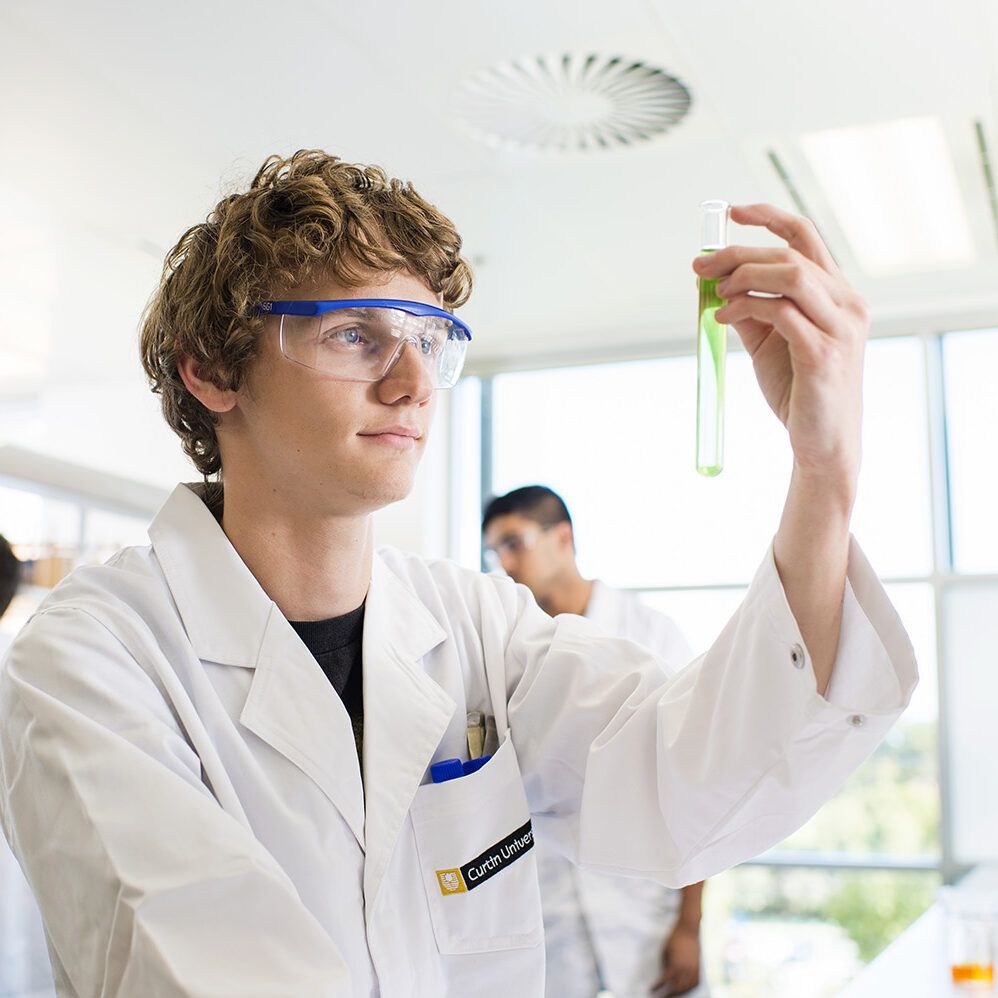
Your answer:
<point x="123" y="123"/>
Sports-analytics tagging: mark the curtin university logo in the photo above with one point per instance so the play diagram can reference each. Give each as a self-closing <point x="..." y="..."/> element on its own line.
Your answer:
<point x="488" y="864"/>
<point x="451" y="882"/>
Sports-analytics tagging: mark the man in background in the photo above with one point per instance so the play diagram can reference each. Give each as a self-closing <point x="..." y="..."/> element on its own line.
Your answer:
<point x="631" y="937"/>
<point x="24" y="965"/>
<point x="10" y="574"/>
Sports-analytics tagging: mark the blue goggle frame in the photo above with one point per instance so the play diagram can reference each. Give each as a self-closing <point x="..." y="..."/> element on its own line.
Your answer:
<point x="331" y="305"/>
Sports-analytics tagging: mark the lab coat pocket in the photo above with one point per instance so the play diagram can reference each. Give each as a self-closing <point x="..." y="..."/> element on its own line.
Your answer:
<point x="475" y="845"/>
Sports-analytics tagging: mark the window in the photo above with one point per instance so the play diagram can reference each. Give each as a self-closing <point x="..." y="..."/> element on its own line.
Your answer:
<point x="969" y="361"/>
<point x="617" y="441"/>
<point x="972" y="658"/>
<point x="804" y="932"/>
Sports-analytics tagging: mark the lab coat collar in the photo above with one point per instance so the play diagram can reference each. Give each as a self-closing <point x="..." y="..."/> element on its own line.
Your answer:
<point x="293" y="707"/>
<point x="601" y="601"/>
<point x="230" y="620"/>
<point x="406" y="713"/>
<point x="224" y="609"/>
<point x="607" y="607"/>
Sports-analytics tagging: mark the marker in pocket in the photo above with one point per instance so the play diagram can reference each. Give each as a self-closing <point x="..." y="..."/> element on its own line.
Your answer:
<point x="476" y="734"/>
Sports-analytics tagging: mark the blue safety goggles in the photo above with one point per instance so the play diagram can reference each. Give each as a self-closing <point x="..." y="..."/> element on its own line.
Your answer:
<point x="361" y="339"/>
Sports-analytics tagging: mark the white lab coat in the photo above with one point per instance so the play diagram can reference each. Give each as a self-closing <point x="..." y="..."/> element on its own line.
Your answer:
<point x="24" y="963"/>
<point x="180" y="781"/>
<point x="600" y="928"/>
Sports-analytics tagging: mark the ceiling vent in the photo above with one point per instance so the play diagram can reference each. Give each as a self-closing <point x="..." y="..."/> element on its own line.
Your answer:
<point x="570" y="103"/>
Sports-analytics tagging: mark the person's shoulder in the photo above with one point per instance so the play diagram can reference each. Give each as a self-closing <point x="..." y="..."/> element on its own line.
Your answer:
<point x="651" y="616"/>
<point x="613" y="608"/>
<point x="426" y="573"/>
<point x="101" y="635"/>
<point x="451" y="591"/>
<point x="624" y="612"/>
<point x="626" y="601"/>
<point x="128" y="587"/>
<point x="124" y="575"/>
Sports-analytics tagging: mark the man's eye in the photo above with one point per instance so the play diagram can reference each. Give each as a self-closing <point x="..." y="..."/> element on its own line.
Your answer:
<point x="350" y="335"/>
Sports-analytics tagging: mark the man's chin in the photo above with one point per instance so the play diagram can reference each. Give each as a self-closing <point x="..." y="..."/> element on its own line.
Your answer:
<point x="386" y="492"/>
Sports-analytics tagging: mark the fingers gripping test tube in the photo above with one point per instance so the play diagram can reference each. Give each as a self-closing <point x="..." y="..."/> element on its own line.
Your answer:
<point x="712" y="345"/>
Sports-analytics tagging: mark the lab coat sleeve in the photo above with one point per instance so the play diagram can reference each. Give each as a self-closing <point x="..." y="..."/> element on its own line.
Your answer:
<point x="146" y="886"/>
<point x="671" y="646"/>
<point x="680" y="778"/>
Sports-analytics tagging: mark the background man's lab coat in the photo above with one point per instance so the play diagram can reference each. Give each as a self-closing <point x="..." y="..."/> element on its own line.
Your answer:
<point x="599" y="927"/>
<point x="180" y="780"/>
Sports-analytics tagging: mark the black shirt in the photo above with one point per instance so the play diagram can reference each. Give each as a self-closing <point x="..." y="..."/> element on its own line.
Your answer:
<point x="336" y="645"/>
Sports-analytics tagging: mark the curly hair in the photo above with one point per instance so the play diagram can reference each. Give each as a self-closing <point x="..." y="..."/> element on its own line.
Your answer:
<point x="306" y="214"/>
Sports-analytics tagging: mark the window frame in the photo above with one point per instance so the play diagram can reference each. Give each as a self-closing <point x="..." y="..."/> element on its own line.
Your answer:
<point x="942" y="575"/>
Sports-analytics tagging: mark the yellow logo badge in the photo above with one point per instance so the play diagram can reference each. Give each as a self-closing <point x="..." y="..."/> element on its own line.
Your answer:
<point x="451" y="882"/>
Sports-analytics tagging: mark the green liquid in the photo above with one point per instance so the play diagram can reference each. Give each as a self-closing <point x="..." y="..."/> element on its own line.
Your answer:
<point x="712" y="343"/>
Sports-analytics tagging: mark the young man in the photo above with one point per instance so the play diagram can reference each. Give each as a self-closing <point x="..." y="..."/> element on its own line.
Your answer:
<point x="631" y="937"/>
<point x="181" y="778"/>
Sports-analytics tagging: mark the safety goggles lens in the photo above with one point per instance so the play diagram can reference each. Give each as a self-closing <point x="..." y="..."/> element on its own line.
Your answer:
<point x="362" y="344"/>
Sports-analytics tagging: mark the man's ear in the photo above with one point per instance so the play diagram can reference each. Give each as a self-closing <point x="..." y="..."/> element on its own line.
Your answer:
<point x="212" y="397"/>
<point x="566" y="537"/>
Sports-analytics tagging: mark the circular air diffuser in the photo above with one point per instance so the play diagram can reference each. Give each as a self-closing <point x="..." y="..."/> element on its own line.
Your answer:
<point x="561" y="103"/>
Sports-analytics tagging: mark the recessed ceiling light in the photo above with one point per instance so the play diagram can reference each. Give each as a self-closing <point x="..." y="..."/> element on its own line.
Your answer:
<point x="571" y="102"/>
<point x="894" y="190"/>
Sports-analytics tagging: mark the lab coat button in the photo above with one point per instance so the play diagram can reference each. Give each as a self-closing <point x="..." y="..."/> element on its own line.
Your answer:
<point x="857" y="720"/>
<point x="797" y="656"/>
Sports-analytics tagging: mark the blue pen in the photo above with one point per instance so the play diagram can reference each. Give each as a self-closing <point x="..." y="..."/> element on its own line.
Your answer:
<point x="474" y="765"/>
<point x="452" y="769"/>
<point x="447" y="769"/>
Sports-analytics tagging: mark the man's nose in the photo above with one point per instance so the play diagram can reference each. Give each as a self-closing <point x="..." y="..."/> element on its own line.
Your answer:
<point x="408" y="375"/>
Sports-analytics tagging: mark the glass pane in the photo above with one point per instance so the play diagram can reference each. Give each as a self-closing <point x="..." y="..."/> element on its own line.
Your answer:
<point x="803" y="933"/>
<point x="970" y="630"/>
<point x="617" y="441"/>
<point x="106" y="532"/>
<point x="44" y="533"/>
<point x="893" y="518"/>
<point x="644" y="517"/>
<point x="969" y="362"/>
<point x="465" y="541"/>
<point x="33" y="520"/>
<point x="902" y="776"/>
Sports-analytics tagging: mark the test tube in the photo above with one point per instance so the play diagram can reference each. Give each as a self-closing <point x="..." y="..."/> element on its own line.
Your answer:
<point x="712" y="344"/>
